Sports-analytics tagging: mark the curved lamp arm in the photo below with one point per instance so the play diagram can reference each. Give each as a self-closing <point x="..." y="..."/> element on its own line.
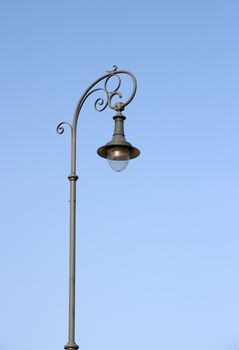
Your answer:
<point x="100" y="104"/>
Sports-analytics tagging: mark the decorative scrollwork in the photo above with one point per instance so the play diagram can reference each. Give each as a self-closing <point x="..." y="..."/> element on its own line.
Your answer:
<point x="60" y="128"/>
<point x="101" y="103"/>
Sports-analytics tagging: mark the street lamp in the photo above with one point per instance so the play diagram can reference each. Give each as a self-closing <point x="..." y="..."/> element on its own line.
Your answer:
<point x="118" y="152"/>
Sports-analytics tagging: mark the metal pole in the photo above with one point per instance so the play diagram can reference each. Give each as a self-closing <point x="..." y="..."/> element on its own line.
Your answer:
<point x="71" y="338"/>
<point x="71" y="345"/>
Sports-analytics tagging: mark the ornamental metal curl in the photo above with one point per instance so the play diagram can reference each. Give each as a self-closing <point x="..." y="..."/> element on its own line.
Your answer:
<point x="101" y="103"/>
<point x="112" y="70"/>
<point x="60" y="128"/>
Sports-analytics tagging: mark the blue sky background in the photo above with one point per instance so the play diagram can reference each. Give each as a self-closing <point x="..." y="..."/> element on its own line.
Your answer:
<point x="157" y="245"/>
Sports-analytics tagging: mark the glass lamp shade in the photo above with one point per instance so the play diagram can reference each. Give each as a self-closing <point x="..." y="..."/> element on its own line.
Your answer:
<point x="118" y="158"/>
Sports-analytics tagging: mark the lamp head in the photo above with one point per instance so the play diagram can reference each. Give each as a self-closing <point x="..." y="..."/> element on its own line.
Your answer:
<point x="118" y="151"/>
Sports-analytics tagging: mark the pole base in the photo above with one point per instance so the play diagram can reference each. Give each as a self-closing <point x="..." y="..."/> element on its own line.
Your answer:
<point x="71" y="346"/>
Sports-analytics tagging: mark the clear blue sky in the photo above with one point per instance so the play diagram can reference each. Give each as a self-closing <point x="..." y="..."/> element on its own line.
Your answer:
<point x="157" y="245"/>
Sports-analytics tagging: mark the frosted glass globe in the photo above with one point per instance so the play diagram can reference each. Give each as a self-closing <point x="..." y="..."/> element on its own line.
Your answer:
<point x="118" y="158"/>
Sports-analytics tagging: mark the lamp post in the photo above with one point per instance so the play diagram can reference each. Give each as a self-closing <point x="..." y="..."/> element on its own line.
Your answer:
<point x="118" y="152"/>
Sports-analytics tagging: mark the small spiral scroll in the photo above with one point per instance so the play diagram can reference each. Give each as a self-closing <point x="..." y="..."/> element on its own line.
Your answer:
<point x="100" y="102"/>
<point x="60" y="128"/>
<point x="112" y="70"/>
